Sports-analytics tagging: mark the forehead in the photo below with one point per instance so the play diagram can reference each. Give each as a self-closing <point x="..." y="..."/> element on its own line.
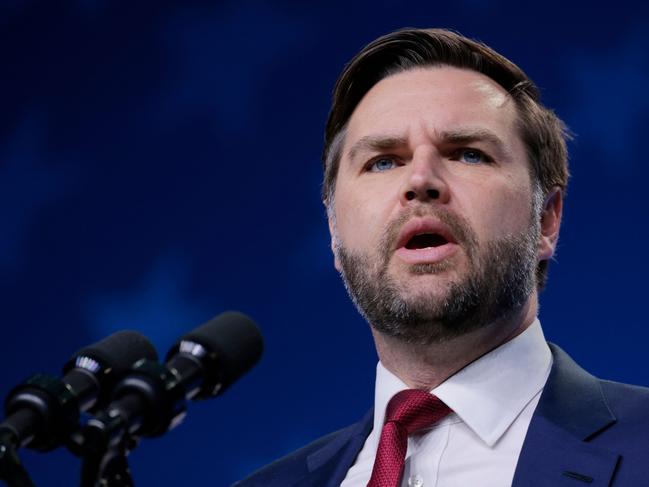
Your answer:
<point x="435" y="99"/>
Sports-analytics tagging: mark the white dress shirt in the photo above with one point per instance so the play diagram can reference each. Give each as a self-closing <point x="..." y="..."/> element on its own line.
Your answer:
<point x="492" y="399"/>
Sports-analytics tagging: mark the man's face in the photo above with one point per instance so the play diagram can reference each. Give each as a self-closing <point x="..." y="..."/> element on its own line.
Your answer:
<point x="435" y="221"/>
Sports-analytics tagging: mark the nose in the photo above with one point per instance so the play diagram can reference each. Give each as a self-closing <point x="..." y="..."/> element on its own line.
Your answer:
<point x="425" y="181"/>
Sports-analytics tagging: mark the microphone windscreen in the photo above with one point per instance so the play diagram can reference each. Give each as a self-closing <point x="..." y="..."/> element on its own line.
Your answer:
<point x="117" y="352"/>
<point x="236" y="341"/>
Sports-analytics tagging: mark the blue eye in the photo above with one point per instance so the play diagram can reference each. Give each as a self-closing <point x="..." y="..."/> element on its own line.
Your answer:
<point x="381" y="165"/>
<point x="473" y="156"/>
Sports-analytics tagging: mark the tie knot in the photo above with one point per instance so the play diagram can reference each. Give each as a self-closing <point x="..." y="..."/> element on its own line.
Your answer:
<point x="414" y="410"/>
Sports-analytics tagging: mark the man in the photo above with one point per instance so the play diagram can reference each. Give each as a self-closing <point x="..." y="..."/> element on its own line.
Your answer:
<point x="443" y="183"/>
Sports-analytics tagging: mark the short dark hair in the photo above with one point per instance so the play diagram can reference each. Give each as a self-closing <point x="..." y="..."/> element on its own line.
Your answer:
<point x="542" y="132"/>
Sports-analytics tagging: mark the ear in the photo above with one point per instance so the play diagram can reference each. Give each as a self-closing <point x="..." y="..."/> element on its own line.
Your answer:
<point x="550" y="223"/>
<point x="332" y="233"/>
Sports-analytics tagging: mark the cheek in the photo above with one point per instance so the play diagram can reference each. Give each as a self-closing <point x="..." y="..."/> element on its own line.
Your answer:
<point x="503" y="211"/>
<point x="359" y="219"/>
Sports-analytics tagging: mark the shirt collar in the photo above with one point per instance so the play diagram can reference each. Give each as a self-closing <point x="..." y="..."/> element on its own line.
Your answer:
<point x="488" y="394"/>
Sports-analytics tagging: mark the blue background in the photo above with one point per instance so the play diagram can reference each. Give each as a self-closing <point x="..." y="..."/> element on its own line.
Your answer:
<point x="159" y="164"/>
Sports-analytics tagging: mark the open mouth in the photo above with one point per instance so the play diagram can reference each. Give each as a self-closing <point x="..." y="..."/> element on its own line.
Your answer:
<point x="426" y="240"/>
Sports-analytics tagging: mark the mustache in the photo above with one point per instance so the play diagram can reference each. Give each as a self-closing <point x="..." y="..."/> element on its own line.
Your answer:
<point x="459" y="227"/>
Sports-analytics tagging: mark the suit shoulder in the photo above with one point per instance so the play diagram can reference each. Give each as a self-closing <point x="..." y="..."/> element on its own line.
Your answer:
<point x="623" y="389"/>
<point x="293" y="465"/>
<point x="626" y="401"/>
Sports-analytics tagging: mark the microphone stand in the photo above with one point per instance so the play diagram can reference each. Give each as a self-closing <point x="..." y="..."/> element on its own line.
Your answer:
<point x="11" y="470"/>
<point x="108" y="470"/>
<point x="104" y="461"/>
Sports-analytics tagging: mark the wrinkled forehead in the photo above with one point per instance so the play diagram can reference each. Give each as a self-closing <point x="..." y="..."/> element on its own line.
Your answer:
<point x="441" y="97"/>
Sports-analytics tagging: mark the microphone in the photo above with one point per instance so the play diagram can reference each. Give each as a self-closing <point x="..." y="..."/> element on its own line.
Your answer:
<point x="42" y="412"/>
<point x="202" y="364"/>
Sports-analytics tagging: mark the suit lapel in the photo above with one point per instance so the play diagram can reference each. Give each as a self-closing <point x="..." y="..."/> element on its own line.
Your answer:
<point x="572" y="409"/>
<point x="328" y="466"/>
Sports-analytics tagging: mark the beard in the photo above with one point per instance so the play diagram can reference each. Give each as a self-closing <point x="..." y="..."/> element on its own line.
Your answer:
<point x="499" y="280"/>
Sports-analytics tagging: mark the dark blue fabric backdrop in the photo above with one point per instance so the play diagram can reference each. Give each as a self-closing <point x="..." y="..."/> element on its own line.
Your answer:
<point x="159" y="164"/>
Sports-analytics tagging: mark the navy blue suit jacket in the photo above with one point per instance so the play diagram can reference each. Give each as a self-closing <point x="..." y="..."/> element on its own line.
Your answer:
<point x="584" y="432"/>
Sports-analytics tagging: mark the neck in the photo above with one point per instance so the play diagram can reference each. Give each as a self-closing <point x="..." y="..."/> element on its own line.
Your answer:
<point x="427" y="366"/>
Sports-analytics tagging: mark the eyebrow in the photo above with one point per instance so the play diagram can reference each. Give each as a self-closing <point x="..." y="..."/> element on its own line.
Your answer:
<point x="371" y="143"/>
<point x="462" y="136"/>
<point x="470" y="135"/>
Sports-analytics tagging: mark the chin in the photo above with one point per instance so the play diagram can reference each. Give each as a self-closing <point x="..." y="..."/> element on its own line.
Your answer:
<point x="426" y="282"/>
<point x="421" y="292"/>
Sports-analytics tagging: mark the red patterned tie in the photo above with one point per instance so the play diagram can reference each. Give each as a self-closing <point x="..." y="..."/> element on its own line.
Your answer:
<point x="407" y="412"/>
